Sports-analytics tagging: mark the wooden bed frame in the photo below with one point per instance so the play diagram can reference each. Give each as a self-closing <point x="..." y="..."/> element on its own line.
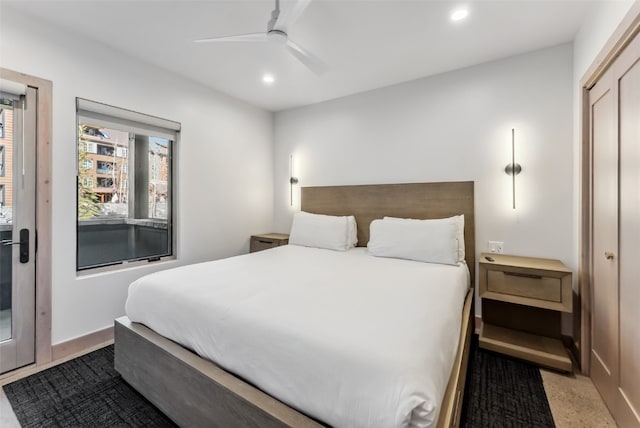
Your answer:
<point x="195" y="392"/>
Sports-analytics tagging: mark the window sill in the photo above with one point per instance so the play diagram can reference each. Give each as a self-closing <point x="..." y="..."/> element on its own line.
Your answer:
<point x="165" y="262"/>
<point x="149" y="222"/>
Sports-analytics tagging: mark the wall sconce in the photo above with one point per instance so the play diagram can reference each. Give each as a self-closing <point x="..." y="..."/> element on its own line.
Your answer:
<point x="513" y="168"/>
<point x="292" y="180"/>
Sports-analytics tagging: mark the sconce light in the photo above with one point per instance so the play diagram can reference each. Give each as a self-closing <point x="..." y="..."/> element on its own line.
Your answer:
<point x="292" y="180"/>
<point x="513" y="168"/>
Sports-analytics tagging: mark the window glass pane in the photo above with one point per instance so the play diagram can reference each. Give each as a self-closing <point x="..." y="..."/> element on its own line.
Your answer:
<point x="158" y="177"/>
<point x="124" y="195"/>
<point x="6" y="218"/>
<point x="6" y="169"/>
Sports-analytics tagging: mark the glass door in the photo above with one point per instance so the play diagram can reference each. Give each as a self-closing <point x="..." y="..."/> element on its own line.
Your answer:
<point x="17" y="228"/>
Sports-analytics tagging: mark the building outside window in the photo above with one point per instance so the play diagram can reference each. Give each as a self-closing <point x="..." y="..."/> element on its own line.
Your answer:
<point x="6" y="164"/>
<point x="2" y="158"/>
<point x="91" y="147"/>
<point x="5" y="214"/>
<point x="124" y="205"/>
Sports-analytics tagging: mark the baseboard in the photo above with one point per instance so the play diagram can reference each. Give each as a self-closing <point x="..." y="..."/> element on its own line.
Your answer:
<point x="81" y="344"/>
<point x="63" y="352"/>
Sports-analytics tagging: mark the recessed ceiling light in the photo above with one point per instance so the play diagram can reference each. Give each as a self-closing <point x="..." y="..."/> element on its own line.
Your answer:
<point x="268" y="79"/>
<point x="459" y="14"/>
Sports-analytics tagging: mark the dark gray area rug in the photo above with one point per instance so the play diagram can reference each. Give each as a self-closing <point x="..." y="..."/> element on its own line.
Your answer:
<point x="83" y="392"/>
<point x="88" y="392"/>
<point x="502" y="393"/>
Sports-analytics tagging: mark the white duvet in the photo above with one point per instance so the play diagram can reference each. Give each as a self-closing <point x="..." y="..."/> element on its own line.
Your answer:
<point x="347" y="338"/>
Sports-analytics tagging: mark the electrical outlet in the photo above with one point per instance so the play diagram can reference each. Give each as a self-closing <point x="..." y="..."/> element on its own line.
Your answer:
<point x="496" y="247"/>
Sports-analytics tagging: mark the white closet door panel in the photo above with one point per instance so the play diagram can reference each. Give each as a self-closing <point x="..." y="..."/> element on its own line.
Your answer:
<point x="605" y="234"/>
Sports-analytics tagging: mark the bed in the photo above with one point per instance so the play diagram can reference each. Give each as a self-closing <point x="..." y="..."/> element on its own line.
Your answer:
<point x="193" y="391"/>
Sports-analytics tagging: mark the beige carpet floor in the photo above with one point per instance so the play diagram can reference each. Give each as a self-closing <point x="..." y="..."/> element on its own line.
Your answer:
<point x="574" y="401"/>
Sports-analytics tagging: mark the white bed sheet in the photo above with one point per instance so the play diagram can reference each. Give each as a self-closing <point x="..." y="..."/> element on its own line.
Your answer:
<point x="347" y="338"/>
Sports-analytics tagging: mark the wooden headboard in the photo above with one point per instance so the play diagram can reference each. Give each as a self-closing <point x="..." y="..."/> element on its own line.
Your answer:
<point x="412" y="200"/>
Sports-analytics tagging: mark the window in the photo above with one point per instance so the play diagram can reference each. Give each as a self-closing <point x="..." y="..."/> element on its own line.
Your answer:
<point x="91" y="147"/>
<point x="2" y="123"/>
<point x="121" y="152"/>
<point x="95" y="132"/>
<point x="105" y="150"/>
<point x="124" y="206"/>
<point x="2" y="160"/>
<point x="105" y="182"/>
<point x="106" y="167"/>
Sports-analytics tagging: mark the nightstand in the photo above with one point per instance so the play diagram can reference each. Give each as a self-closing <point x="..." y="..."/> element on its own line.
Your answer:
<point x="267" y="240"/>
<point x="522" y="302"/>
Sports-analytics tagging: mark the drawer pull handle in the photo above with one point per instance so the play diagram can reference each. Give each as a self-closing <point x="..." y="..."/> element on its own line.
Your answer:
<point x="264" y="242"/>
<point x="609" y="255"/>
<point x="525" y="275"/>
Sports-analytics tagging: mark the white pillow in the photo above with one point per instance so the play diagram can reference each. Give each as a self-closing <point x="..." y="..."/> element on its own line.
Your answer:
<point x="320" y="231"/>
<point x="352" y="232"/>
<point x="459" y="222"/>
<point x="432" y="242"/>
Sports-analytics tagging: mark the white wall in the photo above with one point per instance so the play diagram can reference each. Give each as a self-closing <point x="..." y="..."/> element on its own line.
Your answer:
<point x="596" y="29"/>
<point x="450" y="127"/>
<point x="225" y="173"/>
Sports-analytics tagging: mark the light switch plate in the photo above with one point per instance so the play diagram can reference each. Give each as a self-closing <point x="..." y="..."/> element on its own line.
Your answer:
<point x="496" y="247"/>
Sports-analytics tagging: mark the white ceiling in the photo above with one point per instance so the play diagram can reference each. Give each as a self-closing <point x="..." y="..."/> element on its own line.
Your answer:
<point x="366" y="44"/>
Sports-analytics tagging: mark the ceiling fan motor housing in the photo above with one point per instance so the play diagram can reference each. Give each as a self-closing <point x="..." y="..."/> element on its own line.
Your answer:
<point x="277" y="36"/>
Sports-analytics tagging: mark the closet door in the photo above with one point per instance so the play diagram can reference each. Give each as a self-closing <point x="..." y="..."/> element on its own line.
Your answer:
<point x="615" y="317"/>
<point x="604" y="313"/>
<point x="628" y="81"/>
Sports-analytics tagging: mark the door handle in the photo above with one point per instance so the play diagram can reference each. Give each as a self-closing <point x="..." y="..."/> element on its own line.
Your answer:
<point x="24" y="245"/>
<point x="609" y="255"/>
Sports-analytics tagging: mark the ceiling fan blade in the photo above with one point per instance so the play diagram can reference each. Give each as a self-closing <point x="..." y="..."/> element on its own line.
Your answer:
<point x="310" y="61"/>
<point x="251" y="37"/>
<point x="287" y="19"/>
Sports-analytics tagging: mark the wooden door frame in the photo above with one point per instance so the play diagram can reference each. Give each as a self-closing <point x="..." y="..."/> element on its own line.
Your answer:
<point x="43" y="210"/>
<point x="628" y="28"/>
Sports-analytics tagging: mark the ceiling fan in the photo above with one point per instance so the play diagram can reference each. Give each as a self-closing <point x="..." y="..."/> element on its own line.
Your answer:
<point x="277" y="33"/>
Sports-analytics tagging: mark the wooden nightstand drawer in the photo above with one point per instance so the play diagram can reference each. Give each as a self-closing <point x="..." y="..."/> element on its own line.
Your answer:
<point x="266" y="241"/>
<point x="262" y="244"/>
<point x="525" y="285"/>
<point x="541" y="283"/>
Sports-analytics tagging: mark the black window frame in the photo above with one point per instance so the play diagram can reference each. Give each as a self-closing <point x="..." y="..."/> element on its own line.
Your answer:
<point x="142" y="125"/>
